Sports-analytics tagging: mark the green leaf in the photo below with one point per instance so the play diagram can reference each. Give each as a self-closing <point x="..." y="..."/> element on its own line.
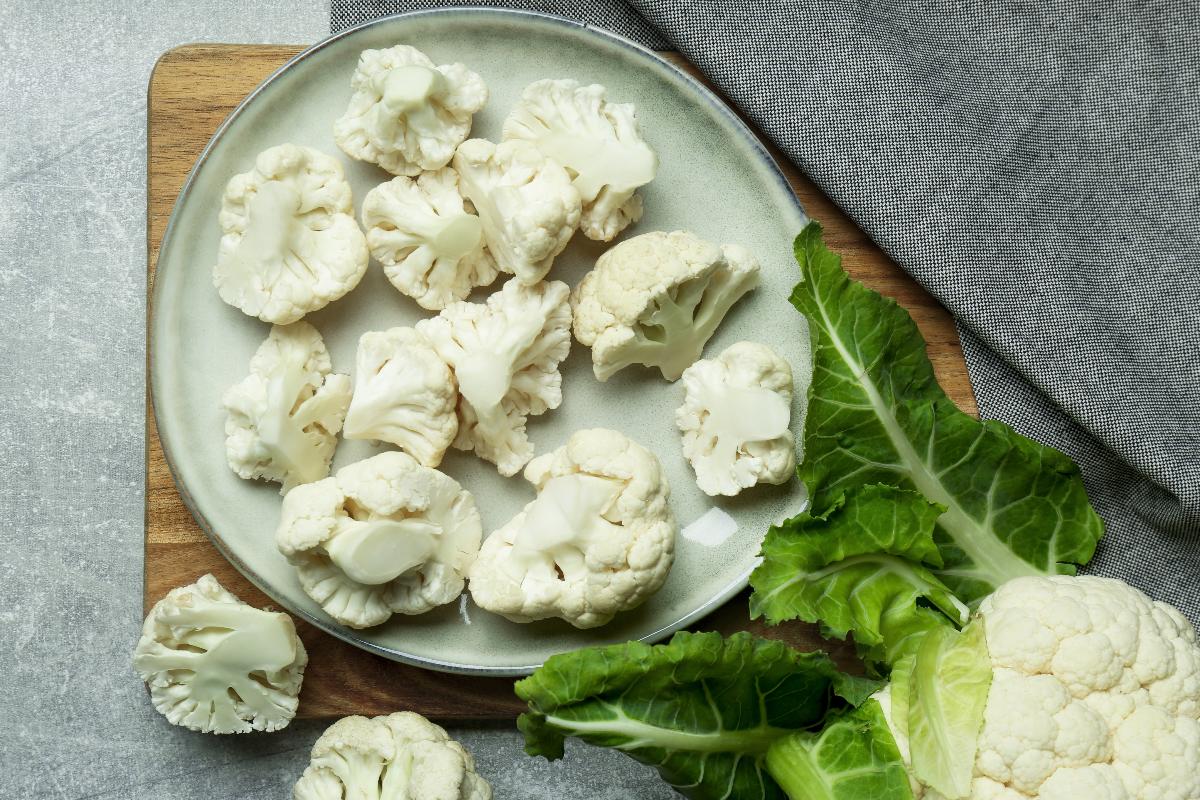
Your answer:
<point x="876" y="414"/>
<point x="853" y="758"/>
<point x="702" y="709"/>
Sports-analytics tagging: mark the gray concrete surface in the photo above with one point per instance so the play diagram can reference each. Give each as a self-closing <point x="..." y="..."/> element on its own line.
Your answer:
<point x="74" y="721"/>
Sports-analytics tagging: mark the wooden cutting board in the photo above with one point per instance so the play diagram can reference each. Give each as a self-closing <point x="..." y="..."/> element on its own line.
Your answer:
<point x="193" y="88"/>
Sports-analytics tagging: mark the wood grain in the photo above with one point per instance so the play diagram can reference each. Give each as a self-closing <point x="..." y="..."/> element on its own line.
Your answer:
<point x="192" y="90"/>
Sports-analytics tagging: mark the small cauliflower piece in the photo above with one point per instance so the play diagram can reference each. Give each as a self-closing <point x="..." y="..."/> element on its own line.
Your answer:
<point x="598" y="143"/>
<point x="401" y="756"/>
<point x="657" y="299"/>
<point x="599" y="539"/>
<point x="505" y="356"/>
<point x="404" y="394"/>
<point x="428" y="239"/>
<point x="289" y="242"/>
<point x="383" y="536"/>
<point x="735" y="419"/>
<point x="407" y="114"/>
<point x="283" y="418"/>
<point x="526" y="202"/>
<point x="217" y="665"/>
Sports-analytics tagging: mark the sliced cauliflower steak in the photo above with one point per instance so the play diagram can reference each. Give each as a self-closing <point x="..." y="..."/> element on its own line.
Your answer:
<point x="657" y="299"/>
<point x="217" y="665"/>
<point x="505" y="356"/>
<point x="283" y="418"/>
<point x="598" y="143"/>
<point x="599" y="539"/>
<point x="289" y="241"/>
<point x="407" y="114"/>
<point x="383" y="536"/>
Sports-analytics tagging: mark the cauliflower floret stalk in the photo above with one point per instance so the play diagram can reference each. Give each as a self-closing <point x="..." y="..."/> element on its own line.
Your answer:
<point x="283" y="418"/>
<point x="598" y="143"/>
<point x="407" y="114"/>
<point x="599" y="539"/>
<point x="401" y="756"/>
<point x="657" y="299"/>
<point x="428" y="239"/>
<point x="383" y="536"/>
<point x="505" y="356"/>
<point x="217" y="665"/>
<point x="289" y="241"/>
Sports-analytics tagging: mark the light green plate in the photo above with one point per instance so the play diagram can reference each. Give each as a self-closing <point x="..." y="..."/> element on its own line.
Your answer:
<point x="715" y="179"/>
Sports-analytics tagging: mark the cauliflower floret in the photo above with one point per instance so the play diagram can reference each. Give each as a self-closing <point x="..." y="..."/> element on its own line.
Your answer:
<point x="599" y="539"/>
<point x="736" y="417"/>
<point x="402" y="756"/>
<point x="284" y="416"/>
<point x="217" y="665"/>
<point x="598" y="143"/>
<point x="383" y="536"/>
<point x="505" y="356"/>
<point x="406" y="114"/>
<point x="404" y="394"/>
<point x="656" y="299"/>
<point x="289" y="241"/>
<point x="526" y="202"/>
<point x="429" y="241"/>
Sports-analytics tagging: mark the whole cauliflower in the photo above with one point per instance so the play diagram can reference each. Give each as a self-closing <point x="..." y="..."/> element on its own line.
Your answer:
<point x="505" y="356"/>
<point x="736" y="417"/>
<point x="283" y="418"/>
<point x="598" y="143"/>
<point x="289" y="241"/>
<point x="656" y="299"/>
<point x="404" y="394"/>
<point x="406" y="114"/>
<point x="428" y="239"/>
<point x="383" y="536"/>
<point x="599" y="539"/>
<point x="217" y="665"/>
<point x="527" y="203"/>
<point x="402" y="756"/>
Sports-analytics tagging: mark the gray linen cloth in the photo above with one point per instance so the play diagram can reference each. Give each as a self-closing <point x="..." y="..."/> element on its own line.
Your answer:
<point x="1036" y="166"/>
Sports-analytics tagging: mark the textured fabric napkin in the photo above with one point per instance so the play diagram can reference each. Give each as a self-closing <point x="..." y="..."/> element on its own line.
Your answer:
<point x="1036" y="166"/>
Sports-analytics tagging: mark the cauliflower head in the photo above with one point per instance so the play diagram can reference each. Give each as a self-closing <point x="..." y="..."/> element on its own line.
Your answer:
<point x="283" y="417"/>
<point x="289" y="242"/>
<point x="217" y="665"/>
<point x="384" y="535"/>
<point x="527" y="204"/>
<point x="404" y="394"/>
<point x="736" y="417"/>
<point x="505" y="356"/>
<point x="598" y="143"/>
<point x="657" y="299"/>
<point x="401" y="756"/>
<point x="599" y="539"/>
<point x="428" y="239"/>
<point x="406" y="114"/>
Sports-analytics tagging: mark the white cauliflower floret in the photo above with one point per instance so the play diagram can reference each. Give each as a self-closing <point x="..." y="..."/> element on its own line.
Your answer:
<point x="657" y="299"/>
<point x="406" y="114"/>
<point x="401" y="756"/>
<point x="428" y="239"/>
<point x="284" y="416"/>
<point x="526" y="202"/>
<point x="736" y="417"/>
<point x="289" y="241"/>
<point x="598" y="143"/>
<point x="599" y="539"/>
<point x="404" y="394"/>
<point x="505" y="356"/>
<point x="217" y="665"/>
<point x="383" y="536"/>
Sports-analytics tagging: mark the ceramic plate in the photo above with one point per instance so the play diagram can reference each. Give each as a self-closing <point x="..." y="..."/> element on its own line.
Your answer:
<point x="715" y="179"/>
